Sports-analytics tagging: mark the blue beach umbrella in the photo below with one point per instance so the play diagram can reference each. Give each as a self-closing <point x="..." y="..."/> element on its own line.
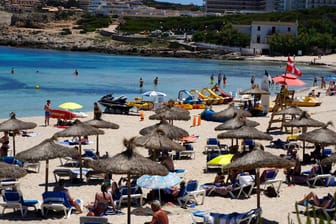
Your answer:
<point x="330" y="78"/>
<point x="158" y="182"/>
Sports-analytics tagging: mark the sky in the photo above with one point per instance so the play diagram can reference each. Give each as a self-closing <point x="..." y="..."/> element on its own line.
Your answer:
<point x="184" y="2"/>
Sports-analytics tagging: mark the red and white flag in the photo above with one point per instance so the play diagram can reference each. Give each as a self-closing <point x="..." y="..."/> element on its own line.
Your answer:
<point x="291" y="68"/>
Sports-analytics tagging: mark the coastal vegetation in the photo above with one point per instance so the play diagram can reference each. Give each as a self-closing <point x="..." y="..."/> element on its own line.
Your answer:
<point x="316" y="29"/>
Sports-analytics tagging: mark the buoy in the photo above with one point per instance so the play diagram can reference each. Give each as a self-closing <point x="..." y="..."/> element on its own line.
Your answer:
<point x="199" y="120"/>
<point x="142" y="116"/>
<point x="37" y="87"/>
<point x="194" y="121"/>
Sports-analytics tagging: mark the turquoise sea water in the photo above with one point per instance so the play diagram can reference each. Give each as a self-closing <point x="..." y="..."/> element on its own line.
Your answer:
<point x="101" y="74"/>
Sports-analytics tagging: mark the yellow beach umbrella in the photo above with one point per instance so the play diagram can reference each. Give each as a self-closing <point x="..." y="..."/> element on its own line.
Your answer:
<point x="221" y="160"/>
<point x="70" y="106"/>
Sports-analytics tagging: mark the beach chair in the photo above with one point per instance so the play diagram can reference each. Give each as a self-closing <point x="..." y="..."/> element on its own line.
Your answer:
<point x="61" y="173"/>
<point x="249" y="217"/>
<point x="244" y="187"/>
<point x="212" y="143"/>
<point x="13" y="199"/>
<point x="191" y="193"/>
<point x="124" y="195"/>
<point x="329" y="212"/>
<point x="9" y="184"/>
<point x="57" y="201"/>
<point x="268" y="177"/>
<point x="93" y="220"/>
<point x="189" y="152"/>
<point x="12" y="160"/>
<point x="323" y="178"/>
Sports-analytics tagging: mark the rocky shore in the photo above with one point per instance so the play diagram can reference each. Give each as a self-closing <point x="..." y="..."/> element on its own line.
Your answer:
<point x="52" y="38"/>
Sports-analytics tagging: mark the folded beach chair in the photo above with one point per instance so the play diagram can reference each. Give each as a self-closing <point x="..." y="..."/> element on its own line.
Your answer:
<point x="249" y="217"/>
<point x="192" y="191"/>
<point x="93" y="220"/>
<point x="13" y="199"/>
<point x="189" y="152"/>
<point x="57" y="201"/>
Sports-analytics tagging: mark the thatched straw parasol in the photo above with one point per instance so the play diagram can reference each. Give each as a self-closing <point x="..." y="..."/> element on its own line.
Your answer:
<point x="170" y="112"/>
<point x="46" y="150"/>
<point x="304" y="121"/>
<point x="79" y="129"/>
<point x="13" y="125"/>
<point x="170" y="130"/>
<point x="245" y="132"/>
<point x="158" y="141"/>
<point x="131" y="163"/>
<point x="254" y="91"/>
<point x="11" y="171"/>
<point x="236" y="122"/>
<point x="258" y="159"/>
<point x="230" y="112"/>
<point x="99" y="123"/>
<point x="323" y="136"/>
<point x="291" y="110"/>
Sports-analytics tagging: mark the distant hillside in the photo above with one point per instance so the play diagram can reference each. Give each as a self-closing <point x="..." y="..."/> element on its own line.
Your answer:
<point x="164" y="5"/>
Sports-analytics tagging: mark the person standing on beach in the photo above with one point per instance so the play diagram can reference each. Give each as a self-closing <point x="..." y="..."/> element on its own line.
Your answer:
<point x="224" y="81"/>
<point x="219" y="79"/>
<point x="97" y="113"/>
<point x="47" y="112"/>
<point x="212" y="79"/>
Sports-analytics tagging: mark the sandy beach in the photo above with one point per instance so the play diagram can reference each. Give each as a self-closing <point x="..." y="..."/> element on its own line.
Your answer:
<point x="32" y="184"/>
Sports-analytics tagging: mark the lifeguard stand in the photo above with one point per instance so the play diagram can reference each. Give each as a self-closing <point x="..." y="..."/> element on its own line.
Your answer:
<point x="281" y="102"/>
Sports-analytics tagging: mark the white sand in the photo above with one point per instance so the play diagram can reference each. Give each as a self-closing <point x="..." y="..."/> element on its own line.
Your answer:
<point x="274" y="209"/>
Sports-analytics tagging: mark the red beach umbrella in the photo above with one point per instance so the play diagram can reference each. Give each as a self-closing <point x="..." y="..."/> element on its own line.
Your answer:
<point x="288" y="80"/>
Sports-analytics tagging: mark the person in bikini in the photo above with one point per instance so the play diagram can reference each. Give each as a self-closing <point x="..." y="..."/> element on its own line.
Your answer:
<point x="103" y="199"/>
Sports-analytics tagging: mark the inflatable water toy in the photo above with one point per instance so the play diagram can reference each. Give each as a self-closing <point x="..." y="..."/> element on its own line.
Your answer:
<point x="227" y="96"/>
<point x="140" y="104"/>
<point x="212" y="95"/>
<point x="208" y="115"/>
<point x="206" y="99"/>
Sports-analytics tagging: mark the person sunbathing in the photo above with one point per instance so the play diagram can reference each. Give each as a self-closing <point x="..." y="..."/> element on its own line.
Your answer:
<point x="313" y="199"/>
<point x="103" y="199"/>
<point x="73" y="202"/>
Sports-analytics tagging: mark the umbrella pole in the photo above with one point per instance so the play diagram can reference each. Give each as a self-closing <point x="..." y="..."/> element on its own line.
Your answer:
<point x="80" y="160"/>
<point x="13" y="143"/>
<point x="304" y="130"/>
<point x="258" y="187"/>
<point x="129" y="198"/>
<point x="46" y="176"/>
<point x="97" y="147"/>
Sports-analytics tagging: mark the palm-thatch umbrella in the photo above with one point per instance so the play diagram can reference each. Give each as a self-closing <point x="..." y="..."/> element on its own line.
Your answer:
<point x="131" y="163"/>
<point x="15" y="125"/>
<point x="304" y="121"/>
<point x="170" y="112"/>
<point x="254" y="91"/>
<point x="170" y="130"/>
<point x="258" y="159"/>
<point x="11" y="171"/>
<point x="46" y="150"/>
<point x="230" y="112"/>
<point x="99" y="123"/>
<point x="291" y="110"/>
<point x="323" y="136"/>
<point x="245" y="132"/>
<point x="236" y="122"/>
<point x="158" y="141"/>
<point x="79" y="129"/>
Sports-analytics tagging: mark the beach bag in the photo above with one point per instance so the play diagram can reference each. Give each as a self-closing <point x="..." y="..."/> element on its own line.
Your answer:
<point x="271" y="192"/>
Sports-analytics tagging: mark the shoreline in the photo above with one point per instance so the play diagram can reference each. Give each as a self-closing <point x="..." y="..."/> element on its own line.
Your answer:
<point x="94" y="42"/>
